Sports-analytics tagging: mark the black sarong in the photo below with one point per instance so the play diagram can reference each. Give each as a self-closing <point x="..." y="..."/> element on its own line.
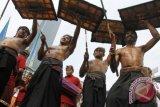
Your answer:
<point x="118" y="95"/>
<point x="45" y="86"/>
<point x="7" y="64"/>
<point x="94" y="92"/>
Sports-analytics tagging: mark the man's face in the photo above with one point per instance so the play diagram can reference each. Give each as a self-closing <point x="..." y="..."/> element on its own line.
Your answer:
<point x="98" y="53"/>
<point x="22" y="33"/>
<point x="65" y="40"/>
<point x="130" y="38"/>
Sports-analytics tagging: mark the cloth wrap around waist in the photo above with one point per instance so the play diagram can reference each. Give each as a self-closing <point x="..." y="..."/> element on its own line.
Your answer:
<point x="95" y="75"/>
<point x="118" y="95"/>
<point x="98" y="78"/>
<point x="55" y="63"/>
<point x="146" y="71"/>
<point x="44" y="85"/>
<point x="94" y="90"/>
<point x="9" y="51"/>
<point x="5" y="55"/>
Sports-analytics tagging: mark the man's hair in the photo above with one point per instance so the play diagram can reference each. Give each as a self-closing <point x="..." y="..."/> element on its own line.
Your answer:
<point x="101" y="48"/>
<point x="70" y="66"/>
<point x="28" y="32"/>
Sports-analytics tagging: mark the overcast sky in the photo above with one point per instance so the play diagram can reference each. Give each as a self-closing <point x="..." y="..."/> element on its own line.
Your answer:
<point x="151" y="59"/>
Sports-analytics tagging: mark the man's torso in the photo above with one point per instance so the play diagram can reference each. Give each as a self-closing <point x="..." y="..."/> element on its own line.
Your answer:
<point x="97" y="66"/>
<point x="57" y="52"/>
<point x="131" y="56"/>
<point x="13" y="43"/>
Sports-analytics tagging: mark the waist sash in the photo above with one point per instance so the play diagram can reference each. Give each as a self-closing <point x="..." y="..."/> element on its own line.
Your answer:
<point x="9" y="50"/>
<point x="146" y="71"/>
<point x="96" y="74"/>
<point x="52" y="61"/>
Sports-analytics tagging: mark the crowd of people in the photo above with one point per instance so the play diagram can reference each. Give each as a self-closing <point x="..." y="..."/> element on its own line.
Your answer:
<point x="46" y="89"/>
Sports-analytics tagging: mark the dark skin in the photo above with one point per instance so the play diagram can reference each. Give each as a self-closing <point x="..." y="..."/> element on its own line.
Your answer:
<point x="21" y="40"/>
<point x="131" y="55"/>
<point x="63" y="50"/>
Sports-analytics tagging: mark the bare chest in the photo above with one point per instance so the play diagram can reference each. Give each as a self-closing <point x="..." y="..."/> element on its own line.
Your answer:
<point x="97" y="65"/>
<point x="131" y="57"/>
<point x="15" y="43"/>
<point x="133" y="53"/>
<point x="57" y="52"/>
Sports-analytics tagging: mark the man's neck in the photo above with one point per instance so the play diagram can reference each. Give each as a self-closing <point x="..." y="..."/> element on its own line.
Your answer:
<point x="99" y="58"/>
<point x="130" y="45"/>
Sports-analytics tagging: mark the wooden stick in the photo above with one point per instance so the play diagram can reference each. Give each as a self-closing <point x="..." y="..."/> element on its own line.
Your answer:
<point x="86" y="46"/>
<point x="109" y="30"/>
<point x="45" y="41"/>
<point x="4" y="9"/>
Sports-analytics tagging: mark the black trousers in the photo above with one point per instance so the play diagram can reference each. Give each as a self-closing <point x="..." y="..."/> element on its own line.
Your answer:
<point x="44" y="89"/>
<point x="94" y="92"/>
<point x="118" y="95"/>
<point x="7" y="63"/>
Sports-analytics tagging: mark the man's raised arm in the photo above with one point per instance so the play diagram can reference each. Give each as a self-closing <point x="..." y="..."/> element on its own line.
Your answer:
<point x="33" y="34"/>
<point x="84" y="66"/>
<point x="154" y="40"/>
<point x="73" y="42"/>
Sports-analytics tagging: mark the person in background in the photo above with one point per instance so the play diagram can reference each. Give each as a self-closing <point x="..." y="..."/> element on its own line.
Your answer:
<point x="68" y="100"/>
<point x="21" y="65"/>
<point x="9" y="49"/>
<point x="29" y="77"/>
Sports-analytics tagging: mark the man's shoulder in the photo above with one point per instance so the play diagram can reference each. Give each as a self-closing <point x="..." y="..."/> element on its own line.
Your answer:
<point x="124" y="48"/>
<point x="120" y="49"/>
<point x="92" y="60"/>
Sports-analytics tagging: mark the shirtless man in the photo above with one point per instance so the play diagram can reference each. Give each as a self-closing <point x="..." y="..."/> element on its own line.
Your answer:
<point x="94" y="87"/>
<point x="131" y="59"/>
<point x="9" y="49"/>
<point x="46" y="82"/>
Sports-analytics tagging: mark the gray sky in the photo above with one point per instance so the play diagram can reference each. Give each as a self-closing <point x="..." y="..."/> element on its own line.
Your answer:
<point x="151" y="59"/>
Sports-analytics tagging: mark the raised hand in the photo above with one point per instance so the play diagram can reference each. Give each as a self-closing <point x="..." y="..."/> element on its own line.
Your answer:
<point x="43" y="39"/>
<point x="86" y="56"/>
<point x="113" y="44"/>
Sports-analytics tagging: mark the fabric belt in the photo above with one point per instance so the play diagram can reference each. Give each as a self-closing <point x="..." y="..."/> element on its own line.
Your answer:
<point x="52" y="61"/>
<point x="95" y="75"/>
<point x="57" y="68"/>
<point x="146" y="71"/>
<point x="9" y="50"/>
